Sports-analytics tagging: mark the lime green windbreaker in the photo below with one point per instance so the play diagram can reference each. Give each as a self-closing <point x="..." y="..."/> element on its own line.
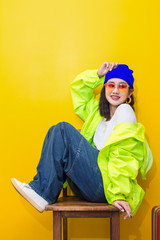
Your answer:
<point x="124" y="153"/>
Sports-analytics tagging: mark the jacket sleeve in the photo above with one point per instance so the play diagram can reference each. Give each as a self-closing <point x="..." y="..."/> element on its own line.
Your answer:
<point x="82" y="88"/>
<point x="125" y="159"/>
<point x="119" y="161"/>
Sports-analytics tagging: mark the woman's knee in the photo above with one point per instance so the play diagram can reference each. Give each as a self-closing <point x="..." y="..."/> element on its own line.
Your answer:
<point x="59" y="125"/>
<point x="65" y="127"/>
<point x="62" y="128"/>
<point x="64" y="124"/>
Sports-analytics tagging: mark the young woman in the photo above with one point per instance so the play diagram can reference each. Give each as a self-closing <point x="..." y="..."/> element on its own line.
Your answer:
<point x="101" y="163"/>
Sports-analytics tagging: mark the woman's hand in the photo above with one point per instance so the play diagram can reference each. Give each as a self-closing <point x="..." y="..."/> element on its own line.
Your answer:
<point x="106" y="66"/>
<point x="123" y="206"/>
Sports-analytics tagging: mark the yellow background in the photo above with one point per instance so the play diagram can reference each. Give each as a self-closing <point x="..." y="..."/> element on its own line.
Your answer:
<point x="43" y="46"/>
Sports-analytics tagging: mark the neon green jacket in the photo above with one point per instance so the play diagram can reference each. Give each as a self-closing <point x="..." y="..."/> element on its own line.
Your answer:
<point x="124" y="153"/>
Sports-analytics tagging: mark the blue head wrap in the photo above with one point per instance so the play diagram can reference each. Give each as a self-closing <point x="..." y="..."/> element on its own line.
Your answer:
<point x="122" y="71"/>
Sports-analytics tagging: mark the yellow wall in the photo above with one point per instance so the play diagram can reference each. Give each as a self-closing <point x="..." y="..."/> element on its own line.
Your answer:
<point x="43" y="46"/>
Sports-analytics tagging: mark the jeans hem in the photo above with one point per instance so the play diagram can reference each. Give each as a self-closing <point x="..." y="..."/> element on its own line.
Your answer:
<point x="48" y="200"/>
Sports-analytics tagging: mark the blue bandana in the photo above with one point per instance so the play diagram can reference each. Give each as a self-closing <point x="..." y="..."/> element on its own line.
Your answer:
<point x="122" y="71"/>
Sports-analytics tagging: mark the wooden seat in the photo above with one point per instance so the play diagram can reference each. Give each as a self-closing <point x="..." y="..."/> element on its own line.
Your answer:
<point x="73" y="207"/>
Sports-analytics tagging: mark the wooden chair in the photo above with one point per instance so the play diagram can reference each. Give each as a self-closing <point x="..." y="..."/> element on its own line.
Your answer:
<point x="72" y="207"/>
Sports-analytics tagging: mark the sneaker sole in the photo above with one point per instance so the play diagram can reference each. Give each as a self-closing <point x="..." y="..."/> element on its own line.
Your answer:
<point x="23" y="194"/>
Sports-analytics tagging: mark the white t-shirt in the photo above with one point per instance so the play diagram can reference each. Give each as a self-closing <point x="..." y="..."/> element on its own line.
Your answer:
<point x="123" y="114"/>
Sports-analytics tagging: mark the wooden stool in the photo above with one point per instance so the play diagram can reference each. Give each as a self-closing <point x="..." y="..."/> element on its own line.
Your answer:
<point x="72" y="207"/>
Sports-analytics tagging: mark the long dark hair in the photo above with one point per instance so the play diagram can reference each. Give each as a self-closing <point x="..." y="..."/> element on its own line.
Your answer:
<point x="104" y="104"/>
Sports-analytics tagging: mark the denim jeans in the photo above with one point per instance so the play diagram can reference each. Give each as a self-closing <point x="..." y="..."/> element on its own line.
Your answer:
<point x="67" y="155"/>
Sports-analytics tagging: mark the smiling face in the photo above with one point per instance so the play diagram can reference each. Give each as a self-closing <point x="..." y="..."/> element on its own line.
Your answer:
<point x="117" y="91"/>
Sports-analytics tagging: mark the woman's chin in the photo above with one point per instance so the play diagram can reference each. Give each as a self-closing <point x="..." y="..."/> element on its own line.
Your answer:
<point x="115" y="103"/>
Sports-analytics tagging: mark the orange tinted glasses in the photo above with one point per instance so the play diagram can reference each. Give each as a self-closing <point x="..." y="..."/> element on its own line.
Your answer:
<point x="122" y="87"/>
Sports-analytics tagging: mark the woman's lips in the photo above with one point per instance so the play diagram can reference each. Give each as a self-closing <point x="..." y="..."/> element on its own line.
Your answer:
<point x="115" y="98"/>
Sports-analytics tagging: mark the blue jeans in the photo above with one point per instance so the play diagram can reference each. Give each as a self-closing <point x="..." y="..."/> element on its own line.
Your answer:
<point x="67" y="155"/>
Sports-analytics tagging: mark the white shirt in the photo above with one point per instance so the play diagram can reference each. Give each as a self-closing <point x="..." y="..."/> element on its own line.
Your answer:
<point x="124" y="113"/>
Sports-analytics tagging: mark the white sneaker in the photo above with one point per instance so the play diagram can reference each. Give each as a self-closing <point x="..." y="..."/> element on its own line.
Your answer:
<point x="30" y="195"/>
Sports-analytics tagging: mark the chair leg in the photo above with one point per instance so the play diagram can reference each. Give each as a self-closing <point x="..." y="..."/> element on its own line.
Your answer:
<point x="56" y="226"/>
<point x="64" y="228"/>
<point x="115" y="226"/>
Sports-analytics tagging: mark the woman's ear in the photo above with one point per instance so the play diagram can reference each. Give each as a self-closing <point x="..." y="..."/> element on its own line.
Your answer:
<point x="130" y="92"/>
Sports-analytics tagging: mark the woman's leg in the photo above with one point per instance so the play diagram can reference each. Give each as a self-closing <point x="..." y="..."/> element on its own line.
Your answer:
<point x="67" y="154"/>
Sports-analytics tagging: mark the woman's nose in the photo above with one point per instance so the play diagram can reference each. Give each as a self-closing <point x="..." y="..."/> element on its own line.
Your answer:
<point x="115" y="90"/>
